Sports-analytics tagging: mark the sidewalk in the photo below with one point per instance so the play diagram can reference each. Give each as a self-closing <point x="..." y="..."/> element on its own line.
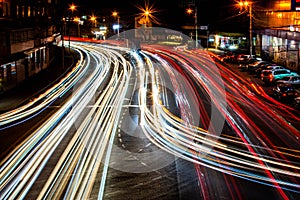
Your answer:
<point x="36" y="84"/>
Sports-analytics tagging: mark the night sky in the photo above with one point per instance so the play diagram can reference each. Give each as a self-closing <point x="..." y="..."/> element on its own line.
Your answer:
<point x="171" y="15"/>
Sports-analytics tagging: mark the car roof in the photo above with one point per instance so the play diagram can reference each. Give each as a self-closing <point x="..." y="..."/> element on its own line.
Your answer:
<point x="280" y="70"/>
<point x="274" y="66"/>
<point x="276" y="70"/>
<point x="293" y="76"/>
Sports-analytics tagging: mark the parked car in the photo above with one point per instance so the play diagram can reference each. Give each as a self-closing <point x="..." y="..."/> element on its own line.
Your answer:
<point x="262" y="67"/>
<point x="244" y="57"/>
<point x="271" y="76"/>
<point x="229" y="56"/>
<point x="240" y="58"/>
<point x="285" y="91"/>
<point x="273" y="67"/>
<point x="292" y="80"/>
<point x="251" y="67"/>
<point x="243" y="66"/>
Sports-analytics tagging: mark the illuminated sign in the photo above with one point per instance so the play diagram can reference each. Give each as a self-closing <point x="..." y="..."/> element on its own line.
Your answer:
<point x="295" y="4"/>
<point x="116" y="26"/>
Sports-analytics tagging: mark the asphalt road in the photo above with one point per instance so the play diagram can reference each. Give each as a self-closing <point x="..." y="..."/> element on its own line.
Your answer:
<point x="113" y="150"/>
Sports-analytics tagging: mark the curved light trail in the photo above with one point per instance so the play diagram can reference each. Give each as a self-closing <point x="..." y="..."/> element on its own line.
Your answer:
<point x="256" y="158"/>
<point x="207" y="97"/>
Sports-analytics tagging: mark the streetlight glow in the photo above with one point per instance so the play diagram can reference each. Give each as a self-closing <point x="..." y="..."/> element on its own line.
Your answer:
<point x="189" y="11"/>
<point x="115" y="13"/>
<point x="244" y="3"/>
<point x="146" y="17"/>
<point x="93" y="18"/>
<point x="72" y="7"/>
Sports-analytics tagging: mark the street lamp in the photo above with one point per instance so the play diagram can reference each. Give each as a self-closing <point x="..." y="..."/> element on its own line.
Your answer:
<point x="94" y="21"/>
<point x="190" y="11"/>
<point x="247" y="4"/>
<point x="115" y="14"/>
<point x="146" y="17"/>
<point x="72" y="7"/>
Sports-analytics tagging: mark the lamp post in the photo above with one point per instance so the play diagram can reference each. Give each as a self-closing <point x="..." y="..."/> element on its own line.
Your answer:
<point x="72" y="8"/>
<point x="190" y="11"/>
<point x="115" y="14"/>
<point x="247" y="4"/>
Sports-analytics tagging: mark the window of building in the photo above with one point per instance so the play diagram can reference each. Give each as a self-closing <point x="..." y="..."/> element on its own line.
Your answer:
<point x="21" y="36"/>
<point x="28" y="11"/>
<point x="281" y="4"/>
<point x="33" y="11"/>
<point x="23" y="11"/>
<point x="16" y="37"/>
<point x="17" y="11"/>
<point x="32" y="59"/>
<point x="2" y="39"/>
<point x="1" y="9"/>
<point x="30" y="34"/>
<point x="6" y="9"/>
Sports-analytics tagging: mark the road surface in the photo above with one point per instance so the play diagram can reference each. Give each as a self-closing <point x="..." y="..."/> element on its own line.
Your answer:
<point x="156" y="123"/>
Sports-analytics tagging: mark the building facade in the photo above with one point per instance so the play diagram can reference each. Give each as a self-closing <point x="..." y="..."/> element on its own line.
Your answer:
<point x="29" y="32"/>
<point x="278" y="32"/>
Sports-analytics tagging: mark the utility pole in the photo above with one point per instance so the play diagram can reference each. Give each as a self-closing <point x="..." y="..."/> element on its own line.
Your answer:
<point x="196" y="26"/>
<point x="189" y="11"/>
<point x="250" y="29"/>
<point x="118" y="26"/>
<point x="247" y="4"/>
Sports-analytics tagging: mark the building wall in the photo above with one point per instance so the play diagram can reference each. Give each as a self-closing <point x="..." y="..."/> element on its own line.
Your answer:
<point x="281" y="48"/>
<point x="279" y="19"/>
<point x="280" y="5"/>
<point x="28" y="31"/>
<point x="15" y="72"/>
<point x="278" y="30"/>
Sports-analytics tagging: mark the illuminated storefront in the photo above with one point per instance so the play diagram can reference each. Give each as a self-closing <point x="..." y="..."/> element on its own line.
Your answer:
<point x="228" y="41"/>
<point x="14" y="72"/>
